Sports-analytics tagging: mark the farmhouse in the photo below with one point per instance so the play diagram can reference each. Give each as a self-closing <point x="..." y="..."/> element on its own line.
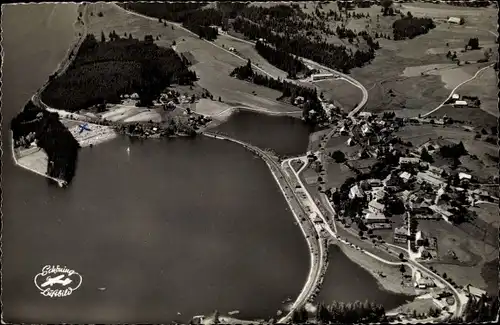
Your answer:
<point x="436" y="170"/>
<point x="408" y="160"/>
<point x="376" y="207"/>
<point x="356" y="191"/>
<point x="445" y="213"/>
<point x="366" y="129"/>
<point x="371" y="217"/>
<point x="476" y="292"/>
<point x="405" y="176"/>
<point x="456" y="20"/>
<point x="460" y="103"/>
<point x="401" y="235"/>
<point x="455" y="96"/>
<point x="321" y="76"/>
<point x="429" y="178"/>
<point x="462" y="176"/>
<point x="365" y="114"/>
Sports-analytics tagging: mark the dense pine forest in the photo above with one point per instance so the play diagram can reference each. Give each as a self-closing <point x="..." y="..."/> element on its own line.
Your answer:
<point x="280" y="26"/>
<point x="36" y="124"/>
<point x="105" y="69"/>
<point x="312" y="111"/>
<point x="281" y="60"/>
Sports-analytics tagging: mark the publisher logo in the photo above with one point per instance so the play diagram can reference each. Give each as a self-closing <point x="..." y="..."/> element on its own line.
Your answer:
<point x="57" y="281"/>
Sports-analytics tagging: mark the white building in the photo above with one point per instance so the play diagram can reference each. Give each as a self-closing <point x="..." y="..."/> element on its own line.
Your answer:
<point x="476" y="292"/>
<point x="455" y="96"/>
<point x="372" y="217"/>
<point x="365" y="114"/>
<point x="376" y="207"/>
<point x="460" y="103"/>
<point x="350" y="142"/>
<point x="455" y="20"/>
<point x="405" y="176"/>
<point x="429" y="178"/>
<point x="321" y="76"/>
<point x="231" y="49"/>
<point x="365" y="129"/>
<point x="356" y="191"/>
<point x="464" y="176"/>
<point x="408" y="160"/>
<point x="445" y="213"/>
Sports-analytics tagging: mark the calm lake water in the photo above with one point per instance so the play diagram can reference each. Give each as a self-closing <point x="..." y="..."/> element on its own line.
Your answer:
<point x="287" y="136"/>
<point x="176" y="226"/>
<point x="347" y="281"/>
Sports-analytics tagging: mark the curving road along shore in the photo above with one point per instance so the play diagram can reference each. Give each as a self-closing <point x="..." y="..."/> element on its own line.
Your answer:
<point x="62" y="67"/>
<point x="316" y="246"/>
<point x="66" y="62"/>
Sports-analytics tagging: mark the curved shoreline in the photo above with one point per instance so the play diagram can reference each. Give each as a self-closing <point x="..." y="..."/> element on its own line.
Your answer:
<point x="314" y="278"/>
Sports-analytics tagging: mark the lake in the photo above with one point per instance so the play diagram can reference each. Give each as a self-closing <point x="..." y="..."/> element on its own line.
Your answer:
<point x="176" y="228"/>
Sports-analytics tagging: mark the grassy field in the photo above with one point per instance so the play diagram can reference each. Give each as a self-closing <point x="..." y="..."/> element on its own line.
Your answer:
<point x="213" y="68"/>
<point x="421" y="306"/>
<point x="471" y="251"/>
<point x="337" y="174"/>
<point x="392" y="276"/>
<point x="488" y="212"/>
<point x="485" y="86"/>
<point x="247" y="51"/>
<point x="419" y="94"/>
<point x="341" y="92"/>
<point x="121" y="21"/>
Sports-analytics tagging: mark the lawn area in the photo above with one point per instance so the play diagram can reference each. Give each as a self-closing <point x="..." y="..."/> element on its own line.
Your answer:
<point x="315" y="139"/>
<point x="473" y="115"/>
<point x="469" y="247"/>
<point x="488" y="212"/>
<point x="485" y="87"/>
<point x="389" y="277"/>
<point x="342" y="93"/>
<point x="421" y="306"/>
<point x="419" y="94"/>
<point x="213" y="66"/>
<point x="339" y="143"/>
<point x="337" y="174"/>
<point x="121" y="21"/>
<point x="247" y="51"/>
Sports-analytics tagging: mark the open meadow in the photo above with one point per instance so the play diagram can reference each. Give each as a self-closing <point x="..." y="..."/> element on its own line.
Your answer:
<point x="213" y="66"/>
<point x="343" y="94"/>
<point x="125" y="23"/>
<point x="391" y="89"/>
<point x="471" y="250"/>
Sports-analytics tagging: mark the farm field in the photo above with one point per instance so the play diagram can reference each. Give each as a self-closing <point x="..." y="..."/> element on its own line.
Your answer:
<point x="247" y="51"/>
<point x="337" y="174"/>
<point x="472" y="252"/>
<point x="413" y="95"/>
<point x="471" y="115"/>
<point x="486" y="89"/>
<point x="121" y="21"/>
<point x="213" y="66"/>
<point x="341" y="92"/>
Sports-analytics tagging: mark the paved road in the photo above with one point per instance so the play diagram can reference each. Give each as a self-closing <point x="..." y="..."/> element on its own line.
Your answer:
<point x="317" y="262"/>
<point x="455" y="89"/>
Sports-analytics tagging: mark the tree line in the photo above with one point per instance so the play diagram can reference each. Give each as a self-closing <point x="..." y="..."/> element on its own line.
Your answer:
<point x="50" y="135"/>
<point x="342" y="313"/>
<point x="282" y="60"/>
<point x="312" y="111"/>
<point x="333" y="56"/>
<point x="410" y="27"/>
<point x="102" y="71"/>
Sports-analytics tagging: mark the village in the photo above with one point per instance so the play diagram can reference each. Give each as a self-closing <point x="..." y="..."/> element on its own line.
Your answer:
<point x="396" y="186"/>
